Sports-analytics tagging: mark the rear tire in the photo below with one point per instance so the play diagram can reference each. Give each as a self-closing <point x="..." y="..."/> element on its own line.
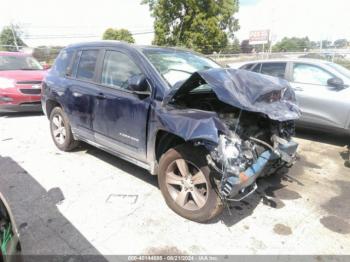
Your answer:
<point x="61" y="131"/>
<point x="191" y="196"/>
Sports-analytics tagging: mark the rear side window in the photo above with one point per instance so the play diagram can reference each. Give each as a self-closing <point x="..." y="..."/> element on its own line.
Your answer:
<point x="247" y="67"/>
<point x="256" y="68"/>
<point x="274" y="69"/>
<point x="87" y="64"/>
<point x="63" y="62"/>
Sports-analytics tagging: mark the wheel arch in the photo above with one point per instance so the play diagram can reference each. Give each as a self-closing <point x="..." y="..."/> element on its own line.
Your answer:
<point x="164" y="141"/>
<point x="51" y="104"/>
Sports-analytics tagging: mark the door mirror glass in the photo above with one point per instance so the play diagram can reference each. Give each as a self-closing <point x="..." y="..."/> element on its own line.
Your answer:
<point x="336" y="82"/>
<point x="138" y="84"/>
<point x="45" y="66"/>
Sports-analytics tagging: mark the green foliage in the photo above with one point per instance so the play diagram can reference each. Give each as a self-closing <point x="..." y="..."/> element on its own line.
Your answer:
<point x="118" y="34"/>
<point x="341" y="43"/>
<point x="205" y="26"/>
<point x="46" y="54"/>
<point x="232" y="48"/>
<point x="314" y="44"/>
<point x="261" y="47"/>
<point x="343" y="62"/>
<point x="293" y="44"/>
<point x="7" y="39"/>
<point x="326" y="43"/>
<point x="246" y="47"/>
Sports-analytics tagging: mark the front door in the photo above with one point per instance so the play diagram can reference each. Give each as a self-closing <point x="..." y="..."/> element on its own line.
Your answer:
<point x="321" y="105"/>
<point x="120" y="121"/>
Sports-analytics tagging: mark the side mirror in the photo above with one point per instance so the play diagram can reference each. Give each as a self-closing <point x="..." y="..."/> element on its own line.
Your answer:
<point x="46" y="66"/>
<point x="138" y="84"/>
<point x="336" y="82"/>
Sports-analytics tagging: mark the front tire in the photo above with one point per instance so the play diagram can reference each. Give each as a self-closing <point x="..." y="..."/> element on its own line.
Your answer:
<point x="61" y="131"/>
<point x="185" y="184"/>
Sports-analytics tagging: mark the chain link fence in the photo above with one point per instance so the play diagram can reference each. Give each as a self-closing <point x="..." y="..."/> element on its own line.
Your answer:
<point x="341" y="57"/>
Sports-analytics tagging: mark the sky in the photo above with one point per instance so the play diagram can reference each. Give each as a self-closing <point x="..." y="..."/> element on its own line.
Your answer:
<point x="317" y="19"/>
<point x="63" y="22"/>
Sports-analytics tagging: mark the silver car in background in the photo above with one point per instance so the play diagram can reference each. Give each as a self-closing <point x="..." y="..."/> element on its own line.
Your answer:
<point x="321" y="87"/>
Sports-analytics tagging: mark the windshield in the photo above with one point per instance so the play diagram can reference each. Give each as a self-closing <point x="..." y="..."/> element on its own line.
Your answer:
<point x="19" y="63"/>
<point x="176" y="65"/>
<point x="340" y="69"/>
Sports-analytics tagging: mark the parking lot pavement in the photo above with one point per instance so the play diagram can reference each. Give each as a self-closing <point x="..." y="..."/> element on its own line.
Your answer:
<point x="89" y="202"/>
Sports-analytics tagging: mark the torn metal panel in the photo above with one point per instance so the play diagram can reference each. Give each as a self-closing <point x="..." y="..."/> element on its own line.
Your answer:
<point x="245" y="90"/>
<point x="191" y="124"/>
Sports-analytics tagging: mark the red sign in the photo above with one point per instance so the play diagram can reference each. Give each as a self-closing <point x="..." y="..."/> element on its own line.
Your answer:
<point x="259" y="37"/>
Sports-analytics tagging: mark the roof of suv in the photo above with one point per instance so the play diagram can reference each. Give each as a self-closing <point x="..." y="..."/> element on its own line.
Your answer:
<point x="114" y="43"/>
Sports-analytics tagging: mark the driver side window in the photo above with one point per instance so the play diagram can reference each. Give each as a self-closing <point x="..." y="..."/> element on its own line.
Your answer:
<point x="310" y="74"/>
<point x="117" y="69"/>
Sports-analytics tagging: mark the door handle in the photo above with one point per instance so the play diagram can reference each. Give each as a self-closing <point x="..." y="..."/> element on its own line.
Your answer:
<point x="100" y="96"/>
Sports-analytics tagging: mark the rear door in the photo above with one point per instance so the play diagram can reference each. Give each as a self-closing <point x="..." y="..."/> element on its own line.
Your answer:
<point x="321" y="105"/>
<point x="120" y="121"/>
<point x="80" y="97"/>
<point x="276" y="69"/>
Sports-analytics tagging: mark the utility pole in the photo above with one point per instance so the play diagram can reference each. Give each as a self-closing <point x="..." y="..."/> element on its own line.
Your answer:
<point x="14" y="36"/>
<point x="270" y="47"/>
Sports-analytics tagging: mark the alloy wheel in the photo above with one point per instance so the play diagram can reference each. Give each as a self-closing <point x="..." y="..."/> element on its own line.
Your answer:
<point x="59" y="129"/>
<point x="186" y="184"/>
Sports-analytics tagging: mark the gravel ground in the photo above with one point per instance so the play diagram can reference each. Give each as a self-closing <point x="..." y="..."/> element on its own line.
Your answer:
<point x="89" y="202"/>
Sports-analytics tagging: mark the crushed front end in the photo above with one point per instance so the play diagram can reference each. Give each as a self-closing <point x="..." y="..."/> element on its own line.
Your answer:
<point x="251" y="132"/>
<point x="255" y="146"/>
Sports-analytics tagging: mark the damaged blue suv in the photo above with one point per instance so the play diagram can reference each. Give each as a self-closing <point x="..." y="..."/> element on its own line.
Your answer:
<point x="206" y="131"/>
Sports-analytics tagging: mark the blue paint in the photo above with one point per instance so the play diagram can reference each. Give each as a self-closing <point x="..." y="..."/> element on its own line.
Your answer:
<point x="259" y="165"/>
<point x="127" y="123"/>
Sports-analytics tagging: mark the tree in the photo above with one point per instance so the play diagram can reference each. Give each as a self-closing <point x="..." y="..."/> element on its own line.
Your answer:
<point x="205" y="26"/>
<point x="293" y="44"/>
<point x="314" y="44"/>
<point x="341" y="43"/>
<point x="118" y="34"/>
<point x="46" y="53"/>
<point x="246" y="47"/>
<point x="326" y="43"/>
<point x="7" y="39"/>
<point x="232" y="48"/>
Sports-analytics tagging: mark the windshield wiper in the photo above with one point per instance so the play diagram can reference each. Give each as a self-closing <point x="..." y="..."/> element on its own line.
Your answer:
<point x="28" y="69"/>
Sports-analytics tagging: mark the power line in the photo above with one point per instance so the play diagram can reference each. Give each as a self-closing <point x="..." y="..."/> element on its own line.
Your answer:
<point x="58" y="36"/>
<point x="27" y="37"/>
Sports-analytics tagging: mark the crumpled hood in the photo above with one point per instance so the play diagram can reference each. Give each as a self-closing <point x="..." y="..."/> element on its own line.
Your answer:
<point x="245" y="90"/>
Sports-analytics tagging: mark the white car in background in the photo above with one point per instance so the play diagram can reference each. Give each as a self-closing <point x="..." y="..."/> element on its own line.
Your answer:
<point x="321" y="87"/>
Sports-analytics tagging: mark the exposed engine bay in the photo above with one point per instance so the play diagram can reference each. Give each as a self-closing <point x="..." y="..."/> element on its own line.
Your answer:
<point x="255" y="145"/>
<point x="253" y="120"/>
